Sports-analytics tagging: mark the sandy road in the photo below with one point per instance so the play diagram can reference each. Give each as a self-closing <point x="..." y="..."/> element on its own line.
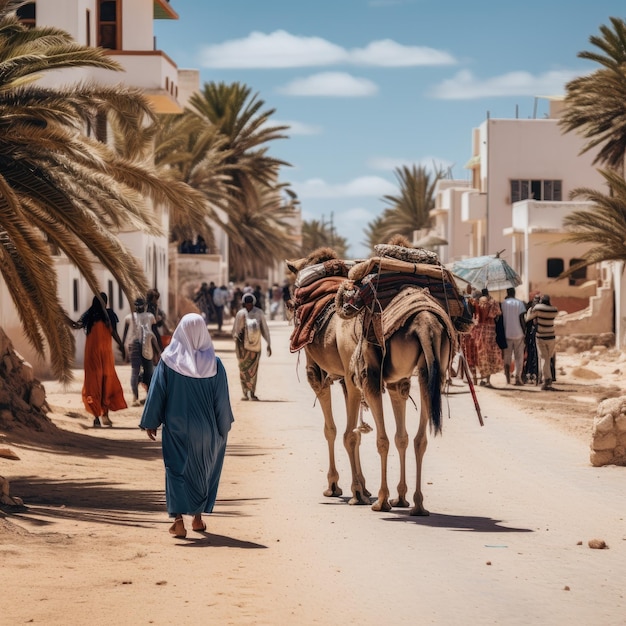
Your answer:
<point x="509" y="504"/>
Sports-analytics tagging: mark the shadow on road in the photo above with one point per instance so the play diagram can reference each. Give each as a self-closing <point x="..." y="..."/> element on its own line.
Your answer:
<point x="458" y="522"/>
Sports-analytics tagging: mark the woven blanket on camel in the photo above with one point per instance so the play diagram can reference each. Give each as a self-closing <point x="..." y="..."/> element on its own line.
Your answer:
<point x="312" y="273"/>
<point x="376" y="291"/>
<point x="313" y="307"/>
<point x="378" y="327"/>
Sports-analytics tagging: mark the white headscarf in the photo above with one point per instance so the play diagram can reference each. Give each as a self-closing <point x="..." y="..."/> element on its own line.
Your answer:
<point x="191" y="352"/>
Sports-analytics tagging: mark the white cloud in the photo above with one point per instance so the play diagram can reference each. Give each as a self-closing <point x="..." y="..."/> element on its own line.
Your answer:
<point x="281" y="49"/>
<point x="465" y="86"/>
<point x="364" y="186"/>
<point x="296" y="128"/>
<point x="278" y="49"/>
<point x="388" y="53"/>
<point x="334" y="84"/>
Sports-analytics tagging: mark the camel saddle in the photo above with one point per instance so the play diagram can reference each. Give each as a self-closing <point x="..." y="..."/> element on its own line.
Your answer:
<point x="313" y="306"/>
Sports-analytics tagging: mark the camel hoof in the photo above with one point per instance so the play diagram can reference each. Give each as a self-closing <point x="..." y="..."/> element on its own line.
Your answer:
<point x="401" y="503"/>
<point x="358" y="498"/>
<point x="381" y="506"/>
<point x="333" y="491"/>
<point x="421" y="511"/>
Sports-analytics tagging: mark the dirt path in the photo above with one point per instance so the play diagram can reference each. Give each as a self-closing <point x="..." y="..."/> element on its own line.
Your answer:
<point x="509" y="504"/>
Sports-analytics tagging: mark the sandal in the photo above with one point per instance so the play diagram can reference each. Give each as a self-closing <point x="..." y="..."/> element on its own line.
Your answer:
<point x="198" y="529"/>
<point x="177" y="529"/>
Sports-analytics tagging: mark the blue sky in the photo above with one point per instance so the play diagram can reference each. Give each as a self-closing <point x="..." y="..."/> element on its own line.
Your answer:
<point x="370" y="85"/>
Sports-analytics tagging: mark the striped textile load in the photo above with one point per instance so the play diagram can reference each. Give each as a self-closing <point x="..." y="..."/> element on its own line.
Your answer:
<point x="313" y="305"/>
<point x="374" y="283"/>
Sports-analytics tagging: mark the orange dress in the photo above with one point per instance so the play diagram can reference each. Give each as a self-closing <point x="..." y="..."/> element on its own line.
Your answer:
<point x="102" y="390"/>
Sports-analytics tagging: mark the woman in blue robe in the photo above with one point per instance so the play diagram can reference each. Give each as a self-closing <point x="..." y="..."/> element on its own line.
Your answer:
<point x="189" y="397"/>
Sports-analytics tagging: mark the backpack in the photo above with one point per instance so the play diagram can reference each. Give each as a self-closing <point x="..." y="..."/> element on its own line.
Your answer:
<point x="145" y="337"/>
<point x="253" y="331"/>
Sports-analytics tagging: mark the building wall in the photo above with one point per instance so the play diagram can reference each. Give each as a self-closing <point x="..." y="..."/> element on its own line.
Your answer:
<point x="449" y="224"/>
<point x="528" y="149"/>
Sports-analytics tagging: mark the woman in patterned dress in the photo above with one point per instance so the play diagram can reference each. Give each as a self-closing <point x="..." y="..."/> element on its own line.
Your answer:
<point x="489" y="355"/>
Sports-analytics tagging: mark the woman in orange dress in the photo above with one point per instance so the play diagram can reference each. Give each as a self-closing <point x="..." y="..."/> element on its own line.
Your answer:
<point x="102" y="390"/>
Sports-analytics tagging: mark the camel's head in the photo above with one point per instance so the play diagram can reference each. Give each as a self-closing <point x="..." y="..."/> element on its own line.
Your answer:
<point x="317" y="256"/>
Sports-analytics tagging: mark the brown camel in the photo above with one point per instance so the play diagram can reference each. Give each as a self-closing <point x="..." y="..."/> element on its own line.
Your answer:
<point x="421" y="344"/>
<point x="340" y="349"/>
<point x="328" y="357"/>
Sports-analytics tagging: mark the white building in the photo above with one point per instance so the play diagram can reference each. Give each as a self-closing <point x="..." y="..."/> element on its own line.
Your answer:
<point x="522" y="174"/>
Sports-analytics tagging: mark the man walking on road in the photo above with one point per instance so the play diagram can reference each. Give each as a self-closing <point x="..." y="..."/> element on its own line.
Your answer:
<point x="513" y="318"/>
<point x="544" y="313"/>
<point x="248" y="328"/>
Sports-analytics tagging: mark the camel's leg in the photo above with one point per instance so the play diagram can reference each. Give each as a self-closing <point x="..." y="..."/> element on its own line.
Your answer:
<point x="352" y="441"/>
<point x="330" y="433"/>
<point x="398" y="394"/>
<point x="323" y="393"/>
<point x="420" y="442"/>
<point x="373" y="397"/>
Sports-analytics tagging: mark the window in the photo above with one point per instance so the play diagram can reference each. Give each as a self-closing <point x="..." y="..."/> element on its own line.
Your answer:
<point x="75" y="294"/>
<point x="101" y="127"/>
<point x="555" y="267"/>
<point x="88" y="26"/>
<point x="120" y="297"/>
<point x="110" y="294"/>
<point x="27" y="14"/>
<point x="579" y="276"/>
<point x="109" y="25"/>
<point x="536" y="190"/>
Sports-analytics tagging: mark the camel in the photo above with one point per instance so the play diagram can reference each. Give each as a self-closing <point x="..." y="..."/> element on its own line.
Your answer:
<point x="421" y="345"/>
<point x="343" y="349"/>
<point x="327" y="360"/>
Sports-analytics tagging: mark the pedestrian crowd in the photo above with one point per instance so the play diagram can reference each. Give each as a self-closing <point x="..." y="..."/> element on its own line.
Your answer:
<point x="186" y="386"/>
<point x="511" y="336"/>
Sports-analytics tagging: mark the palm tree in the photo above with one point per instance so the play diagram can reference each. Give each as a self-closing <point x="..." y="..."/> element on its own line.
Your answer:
<point x="316" y="234"/>
<point x="61" y="189"/>
<point x="265" y="232"/>
<point x="604" y="226"/>
<point x="594" y="103"/>
<point x="189" y="149"/>
<point x="246" y="128"/>
<point x="375" y="231"/>
<point x="239" y="118"/>
<point x="410" y="210"/>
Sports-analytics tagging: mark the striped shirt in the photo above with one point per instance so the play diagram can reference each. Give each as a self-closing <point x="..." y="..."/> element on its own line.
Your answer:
<point x="544" y="314"/>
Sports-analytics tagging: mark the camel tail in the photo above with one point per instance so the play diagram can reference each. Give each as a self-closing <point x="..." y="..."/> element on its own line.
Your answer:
<point x="431" y="353"/>
<point x="434" y="391"/>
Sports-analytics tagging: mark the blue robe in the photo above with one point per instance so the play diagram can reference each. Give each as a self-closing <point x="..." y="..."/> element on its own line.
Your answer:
<point x="196" y="417"/>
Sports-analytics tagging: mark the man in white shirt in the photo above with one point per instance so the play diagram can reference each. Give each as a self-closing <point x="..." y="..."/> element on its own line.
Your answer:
<point x="513" y="318"/>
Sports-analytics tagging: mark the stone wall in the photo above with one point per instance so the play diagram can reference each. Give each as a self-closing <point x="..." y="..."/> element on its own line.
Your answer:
<point x="22" y="396"/>
<point x="608" y="439"/>
<point x="582" y="343"/>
